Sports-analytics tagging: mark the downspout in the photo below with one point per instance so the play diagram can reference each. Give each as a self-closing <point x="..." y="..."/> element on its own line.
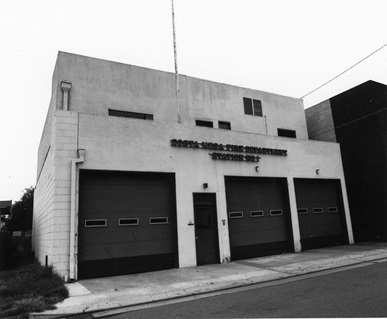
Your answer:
<point x="74" y="162"/>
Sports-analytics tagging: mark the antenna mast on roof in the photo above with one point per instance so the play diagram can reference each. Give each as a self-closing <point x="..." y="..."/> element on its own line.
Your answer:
<point x="176" y="71"/>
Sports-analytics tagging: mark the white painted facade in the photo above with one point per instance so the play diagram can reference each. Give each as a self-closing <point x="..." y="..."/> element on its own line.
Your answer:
<point x="80" y="121"/>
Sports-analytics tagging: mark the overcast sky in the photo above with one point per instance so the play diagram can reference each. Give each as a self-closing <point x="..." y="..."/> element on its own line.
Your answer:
<point x="287" y="47"/>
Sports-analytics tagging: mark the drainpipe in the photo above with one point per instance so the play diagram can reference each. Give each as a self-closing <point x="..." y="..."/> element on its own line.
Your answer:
<point x="74" y="162"/>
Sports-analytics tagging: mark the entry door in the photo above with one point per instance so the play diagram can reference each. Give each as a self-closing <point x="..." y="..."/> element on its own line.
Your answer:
<point x="206" y="229"/>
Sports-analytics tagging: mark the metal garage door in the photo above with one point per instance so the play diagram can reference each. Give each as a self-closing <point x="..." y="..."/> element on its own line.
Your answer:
<point x="258" y="216"/>
<point x="320" y="213"/>
<point x="127" y="223"/>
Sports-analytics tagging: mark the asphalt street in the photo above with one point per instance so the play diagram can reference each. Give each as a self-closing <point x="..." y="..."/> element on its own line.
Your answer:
<point x="358" y="292"/>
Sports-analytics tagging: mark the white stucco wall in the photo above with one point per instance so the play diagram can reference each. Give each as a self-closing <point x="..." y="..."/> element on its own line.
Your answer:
<point x="98" y="85"/>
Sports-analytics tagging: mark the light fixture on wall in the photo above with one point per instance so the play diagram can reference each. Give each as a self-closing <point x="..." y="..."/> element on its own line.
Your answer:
<point x="205" y="185"/>
<point x="257" y="168"/>
<point x="317" y="171"/>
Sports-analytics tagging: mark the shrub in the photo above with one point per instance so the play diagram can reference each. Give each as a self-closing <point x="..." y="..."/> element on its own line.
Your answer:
<point x="30" y="288"/>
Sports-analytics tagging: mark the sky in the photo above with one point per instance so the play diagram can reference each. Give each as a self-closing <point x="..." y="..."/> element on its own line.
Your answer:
<point x="287" y="47"/>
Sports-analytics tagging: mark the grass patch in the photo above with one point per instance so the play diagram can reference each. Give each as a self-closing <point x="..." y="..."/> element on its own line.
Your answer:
<point x="30" y="288"/>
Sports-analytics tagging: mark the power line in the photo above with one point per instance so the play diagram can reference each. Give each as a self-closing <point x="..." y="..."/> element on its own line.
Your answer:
<point x="345" y="71"/>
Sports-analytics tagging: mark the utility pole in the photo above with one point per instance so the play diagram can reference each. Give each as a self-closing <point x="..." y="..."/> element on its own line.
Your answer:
<point x="176" y="71"/>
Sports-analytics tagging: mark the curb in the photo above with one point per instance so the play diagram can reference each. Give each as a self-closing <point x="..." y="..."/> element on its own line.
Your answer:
<point x="88" y="314"/>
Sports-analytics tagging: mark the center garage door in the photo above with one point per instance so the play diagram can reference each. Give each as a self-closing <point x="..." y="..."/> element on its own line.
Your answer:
<point x="127" y="223"/>
<point x="320" y="213"/>
<point x="258" y="216"/>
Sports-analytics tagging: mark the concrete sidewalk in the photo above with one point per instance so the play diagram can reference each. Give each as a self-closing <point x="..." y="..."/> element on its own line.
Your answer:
<point x="100" y="294"/>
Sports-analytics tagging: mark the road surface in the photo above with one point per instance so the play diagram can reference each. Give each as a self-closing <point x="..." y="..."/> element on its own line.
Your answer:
<point x="358" y="292"/>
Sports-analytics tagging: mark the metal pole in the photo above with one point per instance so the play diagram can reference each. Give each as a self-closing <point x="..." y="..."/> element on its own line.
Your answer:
<point x="176" y="71"/>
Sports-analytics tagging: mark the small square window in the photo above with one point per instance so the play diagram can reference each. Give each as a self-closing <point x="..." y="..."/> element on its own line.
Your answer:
<point x="248" y="106"/>
<point x="257" y="107"/>
<point x="252" y="107"/>
<point x="204" y="123"/>
<point x="286" y="133"/>
<point x="224" y="125"/>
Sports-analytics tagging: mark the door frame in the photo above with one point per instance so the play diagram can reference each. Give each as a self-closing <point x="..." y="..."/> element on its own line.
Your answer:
<point x="201" y="200"/>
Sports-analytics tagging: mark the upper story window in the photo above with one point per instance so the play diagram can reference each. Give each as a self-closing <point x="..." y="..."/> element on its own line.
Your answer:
<point x="133" y="115"/>
<point x="252" y="107"/>
<point x="286" y="133"/>
<point x="225" y="125"/>
<point x="204" y="123"/>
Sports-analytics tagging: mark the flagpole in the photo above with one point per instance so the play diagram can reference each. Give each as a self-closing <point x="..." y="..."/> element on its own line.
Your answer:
<point x="176" y="71"/>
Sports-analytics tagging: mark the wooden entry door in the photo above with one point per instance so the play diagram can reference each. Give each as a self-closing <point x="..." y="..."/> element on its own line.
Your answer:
<point x="206" y="229"/>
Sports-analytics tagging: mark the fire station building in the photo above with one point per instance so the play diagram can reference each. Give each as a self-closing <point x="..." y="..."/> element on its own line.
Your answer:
<point x="131" y="178"/>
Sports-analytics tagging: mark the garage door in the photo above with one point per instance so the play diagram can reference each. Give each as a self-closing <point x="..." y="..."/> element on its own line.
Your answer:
<point x="127" y="223"/>
<point x="258" y="216"/>
<point x="320" y="213"/>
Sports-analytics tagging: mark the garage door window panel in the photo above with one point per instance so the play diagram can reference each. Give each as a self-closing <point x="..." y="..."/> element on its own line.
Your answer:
<point x="158" y="220"/>
<point x="233" y="215"/>
<point x="276" y="212"/>
<point x="128" y="222"/>
<point x="256" y="213"/>
<point x="95" y="223"/>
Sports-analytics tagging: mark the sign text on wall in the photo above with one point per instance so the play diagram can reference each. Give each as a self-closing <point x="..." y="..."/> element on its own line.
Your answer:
<point x="229" y="148"/>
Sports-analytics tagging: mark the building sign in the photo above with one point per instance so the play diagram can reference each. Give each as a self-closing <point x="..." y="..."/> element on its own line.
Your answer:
<point x="229" y="148"/>
<point x="234" y="157"/>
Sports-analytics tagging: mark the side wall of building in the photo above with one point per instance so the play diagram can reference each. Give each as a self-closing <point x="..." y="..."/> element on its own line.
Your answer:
<point x="320" y="122"/>
<point x="51" y="236"/>
<point x="360" y="117"/>
<point x="44" y="203"/>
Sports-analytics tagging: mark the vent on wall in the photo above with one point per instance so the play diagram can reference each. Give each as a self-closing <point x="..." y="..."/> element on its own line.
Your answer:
<point x="133" y="115"/>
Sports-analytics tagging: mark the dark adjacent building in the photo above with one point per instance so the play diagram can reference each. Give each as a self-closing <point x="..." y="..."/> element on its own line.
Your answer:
<point x="357" y="119"/>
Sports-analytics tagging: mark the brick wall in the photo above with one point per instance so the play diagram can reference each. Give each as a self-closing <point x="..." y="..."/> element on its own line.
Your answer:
<point x="44" y="201"/>
<point x="52" y="194"/>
